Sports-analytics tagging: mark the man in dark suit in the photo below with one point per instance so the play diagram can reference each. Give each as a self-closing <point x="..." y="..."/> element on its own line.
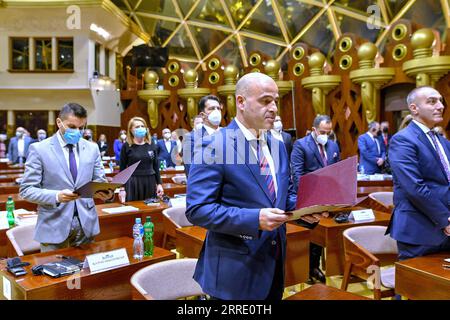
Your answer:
<point x="210" y="113"/>
<point x="420" y="167"/>
<point x="372" y="152"/>
<point x="385" y="135"/>
<point x="18" y="146"/>
<point x="240" y="192"/>
<point x="310" y="153"/>
<point x="167" y="148"/>
<point x="278" y="133"/>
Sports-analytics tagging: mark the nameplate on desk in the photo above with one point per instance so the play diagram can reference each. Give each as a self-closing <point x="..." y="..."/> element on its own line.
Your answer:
<point x="3" y="220"/>
<point x="121" y="209"/>
<point x="362" y="215"/>
<point x="108" y="170"/>
<point x="99" y="262"/>
<point x="376" y="177"/>
<point x="179" y="168"/>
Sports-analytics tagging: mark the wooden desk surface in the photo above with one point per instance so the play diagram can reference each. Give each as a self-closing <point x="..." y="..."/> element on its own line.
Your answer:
<point x="328" y="234"/>
<point x="9" y="188"/>
<point x="108" y="285"/>
<point x="323" y="292"/>
<point x="10" y="177"/>
<point x="19" y="202"/>
<point x="171" y="189"/>
<point x="190" y="240"/>
<point x="11" y="171"/>
<point x="365" y="191"/>
<point x="423" y="278"/>
<point x="380" y="183"/>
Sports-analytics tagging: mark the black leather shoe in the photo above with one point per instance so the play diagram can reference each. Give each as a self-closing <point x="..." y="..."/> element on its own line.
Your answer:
<point x="318" y="275"/>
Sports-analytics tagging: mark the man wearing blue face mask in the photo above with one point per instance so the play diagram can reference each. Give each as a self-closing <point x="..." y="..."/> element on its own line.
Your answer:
<point x="18" y="146"/>
<point x="309" y="154"/>
<point x="54" y="169"/>
<point x="210" y="111"/>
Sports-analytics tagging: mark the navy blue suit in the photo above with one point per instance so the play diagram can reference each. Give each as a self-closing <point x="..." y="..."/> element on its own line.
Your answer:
<point x="13" y="148"/>
<point x="237" y="260"/>
<point x="164" y="154"/>
<point x="287" y="139"/>
<point x="368" y="153"/>
<point x="421" y="193"/>
<point x="306" y="158"/>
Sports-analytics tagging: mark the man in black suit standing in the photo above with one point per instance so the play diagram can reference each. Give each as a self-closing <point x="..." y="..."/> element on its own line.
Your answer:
<point x="278" y="133"/>
<point x="385" y="136"/>
<point x="309" y="154"/>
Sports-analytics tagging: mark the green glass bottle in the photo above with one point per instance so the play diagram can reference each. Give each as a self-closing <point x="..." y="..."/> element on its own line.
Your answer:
<point x="10" y="211"/>
<point x="148" y="237"/>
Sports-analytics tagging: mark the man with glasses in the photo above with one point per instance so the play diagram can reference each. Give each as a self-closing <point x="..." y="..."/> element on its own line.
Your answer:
<point x="54" y="169"/>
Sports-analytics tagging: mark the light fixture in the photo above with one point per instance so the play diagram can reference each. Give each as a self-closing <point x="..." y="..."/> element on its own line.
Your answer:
<point x="100" y="31"/>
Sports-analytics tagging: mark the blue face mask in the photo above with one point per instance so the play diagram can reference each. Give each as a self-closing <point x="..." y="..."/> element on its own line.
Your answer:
<point x="71" y="136"/>
<point x="140" y="132"/>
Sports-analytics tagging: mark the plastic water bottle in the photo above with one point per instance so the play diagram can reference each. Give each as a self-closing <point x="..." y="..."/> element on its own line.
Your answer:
<point x="10" y="211"/>
<point x="138" y="244"/>
<point x="111" y="166"/>
<point x="148" y="237"/>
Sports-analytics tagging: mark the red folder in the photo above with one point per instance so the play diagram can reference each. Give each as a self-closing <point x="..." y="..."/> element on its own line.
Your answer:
<point x="328" y="188"/>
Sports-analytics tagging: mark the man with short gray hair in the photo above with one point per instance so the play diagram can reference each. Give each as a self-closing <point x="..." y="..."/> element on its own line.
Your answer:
<point x="372" y="151"/>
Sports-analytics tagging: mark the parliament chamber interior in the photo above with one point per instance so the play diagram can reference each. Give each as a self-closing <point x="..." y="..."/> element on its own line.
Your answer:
<point x="224" y="150"/>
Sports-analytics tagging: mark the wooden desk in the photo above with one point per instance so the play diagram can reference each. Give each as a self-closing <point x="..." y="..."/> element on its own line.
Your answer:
<point x="171" y="189"/>
<point x="9" y="188"/>
<point x="423" y="278"/>
<point x="167" y="178"/>
<point x="190" y="240"/>
<point x="365" y="191"/>
<point x="328" y="234"/>
<point x="172" y="171"/>
<point x="323" y="292"/>
<point x="11" y="171"/>
<point x="10" y="177"/>
<point x="380" y="183"/>
<point x="19" y="202"/>
<point x="108" y="285"/>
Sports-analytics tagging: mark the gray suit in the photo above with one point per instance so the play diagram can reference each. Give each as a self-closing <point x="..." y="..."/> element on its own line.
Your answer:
<point x="47" y="173"/>
<point x="13" y="149"/>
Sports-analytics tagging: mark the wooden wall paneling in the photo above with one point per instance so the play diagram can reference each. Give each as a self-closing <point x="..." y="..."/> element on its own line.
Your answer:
<point x="112" y="133"/>
<point x="443" y="86"/>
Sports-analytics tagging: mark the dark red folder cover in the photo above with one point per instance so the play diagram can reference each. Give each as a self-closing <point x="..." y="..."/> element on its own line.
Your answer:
<point x="333" y="185"/>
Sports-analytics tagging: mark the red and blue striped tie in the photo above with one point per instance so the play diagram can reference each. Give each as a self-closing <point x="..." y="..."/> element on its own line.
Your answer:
<point x="265" y="171"/>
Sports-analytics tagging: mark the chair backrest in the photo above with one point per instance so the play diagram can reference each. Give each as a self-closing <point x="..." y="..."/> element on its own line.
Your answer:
<point x="167" y="280"/>
<point x="181" y="179"/>
<point x="372" y="238"/>
<point x="177" y="216"/>
<point x="21" y="238"/>
<point x="386" y="198"/>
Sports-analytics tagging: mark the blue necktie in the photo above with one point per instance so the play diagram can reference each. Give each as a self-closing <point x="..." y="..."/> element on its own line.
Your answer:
<point x="72" y="162"/>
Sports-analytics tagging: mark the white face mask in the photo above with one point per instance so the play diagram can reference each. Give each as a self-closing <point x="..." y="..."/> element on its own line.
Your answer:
<point x="167" y="135"/>
<point x="198" y="126"/>
<point x="277" y="125"/>
<point x="123" y="136"/>
<point x="322" y="139"/>
<point x="215" y="117"/>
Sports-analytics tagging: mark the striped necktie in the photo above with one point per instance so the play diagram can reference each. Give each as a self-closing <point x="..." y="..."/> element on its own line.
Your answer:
<point x="440" y="155"/>
<point x="265" y="171"/>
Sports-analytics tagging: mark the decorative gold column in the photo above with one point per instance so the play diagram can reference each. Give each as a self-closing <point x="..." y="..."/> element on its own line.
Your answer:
<point x="424" y="67"/>
<point x="153" y="96"/>
<point x="10" y="123"/>
<point x="192" y="93"/>
<point x="51" y="123"/>
<point x="272" y="69"/>
<point x="371" y="79"/>
<point x="319" y="83"/>
<point x="229" y="88"/>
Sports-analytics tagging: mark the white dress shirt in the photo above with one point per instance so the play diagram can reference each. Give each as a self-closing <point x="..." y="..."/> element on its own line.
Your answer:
<point x="249" y="136"/>
<point x="210" y="130"/>
<point x="21" y="147"/>
<point x="168" y="145"/>
<point x="276" y="134"/>
<point x="425" y="129"/>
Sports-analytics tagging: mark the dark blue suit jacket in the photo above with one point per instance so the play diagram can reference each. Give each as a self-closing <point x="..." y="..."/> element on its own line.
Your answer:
<point x="421" y="188"/>
<point x="13" y="148"/>
<point x="237" y="260"/>
<point x="164" y="154"/>
<point x="193" y="137"/>
<point x="368" y="153"/>
<point x="305" y="157"/>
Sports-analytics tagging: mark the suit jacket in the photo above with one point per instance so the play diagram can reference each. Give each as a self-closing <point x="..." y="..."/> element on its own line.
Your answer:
<point x="421" y="188"/>
<point x="189" y="141"/>
<point x="13" y="151"/>
<point x="164" y="154"/>
<point x="305" y="157"/>
<point x="237" y="260"/>
<point x="368" y="153"/>
<point x="287" y="139"/>
<point x="46" y="173"/>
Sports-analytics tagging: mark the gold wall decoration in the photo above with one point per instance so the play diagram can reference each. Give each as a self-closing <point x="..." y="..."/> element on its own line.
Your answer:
<point x="228" y="89"/>
<point x="272" y="69"/>
<point x="191" y="92"/>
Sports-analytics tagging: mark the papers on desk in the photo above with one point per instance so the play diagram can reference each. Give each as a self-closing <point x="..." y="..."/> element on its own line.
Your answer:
<point x="329" y="188"/>
<point x="177" y="202"/>
<point x="179" y="168"/>
<point x="3" y="220"/>
<point x="121" y="209"/>
<point x="108" y="170"/>
<point x="106" y="158"/>
<point x="4" y="160"/>
<point x="22" y="217"/>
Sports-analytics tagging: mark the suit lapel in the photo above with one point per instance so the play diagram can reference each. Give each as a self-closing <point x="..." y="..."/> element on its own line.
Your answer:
<point x="312" y="145"/>
<point x="59" y="154"/>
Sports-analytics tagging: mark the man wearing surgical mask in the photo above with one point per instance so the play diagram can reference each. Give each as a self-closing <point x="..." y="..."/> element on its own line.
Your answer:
<point x="210" y="113"/>
<point x="278" y="133"/>
<point x="167" y="149"/>
<point x="309" y="154"/>
<point x="55" y="168"/>
<point x="18" y="146"/>
<point x="41" y="135"/>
